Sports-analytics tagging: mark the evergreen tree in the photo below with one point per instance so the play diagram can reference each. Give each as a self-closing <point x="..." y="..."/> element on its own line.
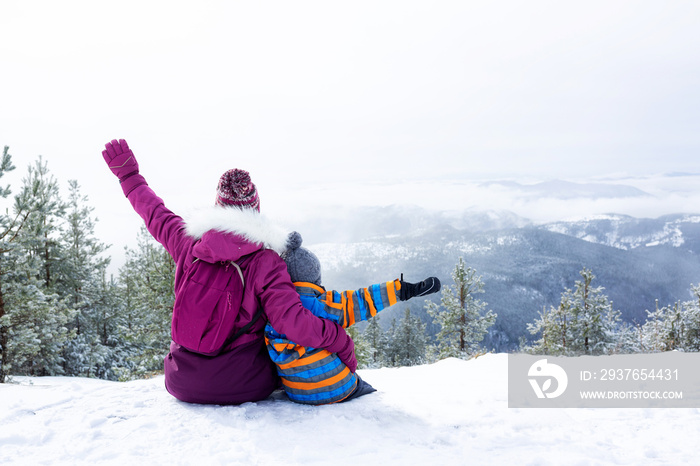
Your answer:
<point x="691" y="320"/>
<point x="675" y="327"/>
<point x="41" y="234"/>
<point x="593" y="319"/>
<point x="408" y="341"/>
<point x="584" y="323"/>
<point x="375" y="341"/>
<point x="83" y="282"/>
<point x="463" y="322"/>
<point x="145" y="307"/>
<point x="32" y="315"/>
<point x="362" y="353"/>
<point x="391" y="350"/>
<point x="10" y="225"/>
<point x="656" y="332"/>
<point x="553" y="330"/>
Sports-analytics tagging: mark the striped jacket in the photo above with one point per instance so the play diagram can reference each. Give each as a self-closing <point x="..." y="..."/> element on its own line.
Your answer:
<point x="314" y="375"/>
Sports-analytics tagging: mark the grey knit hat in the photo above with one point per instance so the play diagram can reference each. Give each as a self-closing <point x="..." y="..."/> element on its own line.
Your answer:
<point x="302" y="264"/>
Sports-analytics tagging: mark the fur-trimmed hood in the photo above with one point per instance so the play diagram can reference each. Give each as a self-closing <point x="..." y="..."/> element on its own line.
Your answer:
<point x="227" y="233"/>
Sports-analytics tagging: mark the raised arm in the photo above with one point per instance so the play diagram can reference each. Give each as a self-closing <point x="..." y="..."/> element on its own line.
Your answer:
<point x="164" y="225"/>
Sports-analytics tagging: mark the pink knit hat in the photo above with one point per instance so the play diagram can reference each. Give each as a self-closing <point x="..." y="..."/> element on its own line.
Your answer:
<point x="236" y="189"/>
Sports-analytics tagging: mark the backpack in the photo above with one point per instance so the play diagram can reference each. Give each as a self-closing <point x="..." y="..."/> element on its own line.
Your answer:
<point x="204" y="317"/>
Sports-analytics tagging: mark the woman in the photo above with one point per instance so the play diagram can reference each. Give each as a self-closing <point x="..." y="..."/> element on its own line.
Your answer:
<point x="228" y="274"/>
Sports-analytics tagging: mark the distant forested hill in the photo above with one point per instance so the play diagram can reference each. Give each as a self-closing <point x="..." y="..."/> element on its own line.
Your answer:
<point x="524" y="267"/>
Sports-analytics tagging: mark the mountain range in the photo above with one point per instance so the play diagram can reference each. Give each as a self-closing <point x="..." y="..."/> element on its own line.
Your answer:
<point x="524" y="266"/>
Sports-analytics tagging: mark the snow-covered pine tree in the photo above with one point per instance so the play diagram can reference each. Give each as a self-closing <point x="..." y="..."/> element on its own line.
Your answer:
<point x="653" y="333"/>
<point x="691" y="318"/>
<point x="675" y="327"/>
<point x="408" y="341"/>
<point x="42" y="233"/>
<point x="594" y="322"/>
<point x="9" y="226"/>
<point x="551" y="326"/>
<point x="146" y="303"/>
<point x="391" y="350"/>
<point x="33" y="317"/>
<point x="627" y="340"/>
<point x="583" y="323"/>
<point x="83" y="281"/>
<point x="463" y="323"/>
<point x="375" y="340"/>
<point x="361" y="349"/>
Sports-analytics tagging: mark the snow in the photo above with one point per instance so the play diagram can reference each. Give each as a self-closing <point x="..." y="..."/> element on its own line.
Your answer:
<point x="453" y="412"/>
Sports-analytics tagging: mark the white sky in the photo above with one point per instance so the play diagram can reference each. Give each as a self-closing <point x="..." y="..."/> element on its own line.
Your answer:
<point x="326" y="101"/>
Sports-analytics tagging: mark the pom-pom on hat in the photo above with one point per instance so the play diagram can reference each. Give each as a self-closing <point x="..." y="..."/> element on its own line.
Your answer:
<point x="302" y="264"/>
<point x="236" y="189"/>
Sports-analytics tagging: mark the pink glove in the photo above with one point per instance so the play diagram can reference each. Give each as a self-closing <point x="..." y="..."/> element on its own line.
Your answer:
<point x="347" y="354"/>
<point x="120" y="159"/>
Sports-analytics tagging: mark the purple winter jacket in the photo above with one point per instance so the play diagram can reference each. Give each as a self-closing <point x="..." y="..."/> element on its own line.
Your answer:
<point x="243" y="371"/>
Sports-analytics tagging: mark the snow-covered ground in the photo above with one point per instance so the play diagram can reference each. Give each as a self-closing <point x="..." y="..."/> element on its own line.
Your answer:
<point x="450" y="413"/>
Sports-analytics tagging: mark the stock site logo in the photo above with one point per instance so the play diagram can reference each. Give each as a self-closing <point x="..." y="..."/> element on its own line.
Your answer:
<point x="541" y="376"/>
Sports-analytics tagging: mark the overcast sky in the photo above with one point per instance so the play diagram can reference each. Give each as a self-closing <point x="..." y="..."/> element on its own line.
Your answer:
<point x="324" y="100"/>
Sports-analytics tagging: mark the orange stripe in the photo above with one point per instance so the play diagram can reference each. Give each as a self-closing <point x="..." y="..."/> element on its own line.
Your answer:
<point x="330" y="303"/>
<point x="343" y="306"/>
<point x="335" y="305"/>
<point x="302" y="361"/>
<point x="346" y="314"/>
<point x="391" y="292"/>
<point x="279" y="347"/>
<point x="323" y="383"/>
<point x="370" y="303"/>
<point x="313" y="286"/>
<point x="351" y="310"/>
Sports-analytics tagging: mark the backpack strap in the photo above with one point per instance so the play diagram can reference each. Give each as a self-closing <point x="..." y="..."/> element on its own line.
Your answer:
<point x="247" y="326"/>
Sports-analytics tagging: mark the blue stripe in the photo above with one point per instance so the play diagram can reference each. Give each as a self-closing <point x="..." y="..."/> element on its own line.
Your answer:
<point x="362" y="304"/>
<point x="324" y="396"/>
<point x="376" y="292"/>
<point x="275" y="356"/>
<point x="281" y="358"/>
<point x="307" y="374"/>
<point x="318" y="309"/>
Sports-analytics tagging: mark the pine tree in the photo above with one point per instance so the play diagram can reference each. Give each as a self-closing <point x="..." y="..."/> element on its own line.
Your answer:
<point x="408" y="341"/>
<point x="391" y="349"/>
<point x="10" y="225"/>
<point x="32" y="315"/>
<point x="375" y="341"/>
<point x="83" y="281"/>
<point x="675" y="327"/>
<point x="145" y="307"/>
<point x="41" y="234"/>
<point x="593" y="319"/>
<point x="691" y="319"/>
<point x="463" y="323"/>
<point x="362" y="352"/>
<point x="551" y="325"/>
<point x="583" y="323"/>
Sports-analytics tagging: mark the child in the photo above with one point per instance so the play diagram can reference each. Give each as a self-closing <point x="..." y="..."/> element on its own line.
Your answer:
<point x="315" y="375"/>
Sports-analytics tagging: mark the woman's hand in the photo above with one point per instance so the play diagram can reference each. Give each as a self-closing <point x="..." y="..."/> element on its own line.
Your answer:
<point x="347" y="354"/>
<point x="120" y="159"/>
